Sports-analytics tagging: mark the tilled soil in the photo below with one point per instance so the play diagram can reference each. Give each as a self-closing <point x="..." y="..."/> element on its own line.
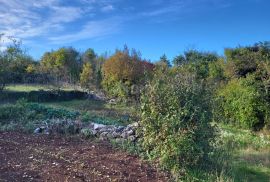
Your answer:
<point x="25" y="157"/>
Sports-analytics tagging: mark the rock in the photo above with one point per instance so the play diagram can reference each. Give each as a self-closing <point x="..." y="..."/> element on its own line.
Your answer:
<point x="105" y="129"/>
<point x="124" y="135"/>
<point x="112" y="101"/>
<point x="104" y="134"/>
<point x="43" y="128"/>
<point x="128" y="128"/>
<point x="115" y="134"/>
<point x="94" y="132"/>
<point x="47" y="131"/>
<point x="134" y="125"/>
<point x="109" y="135"/>
<point x="120" y="128"/>
<point x="98" y="126"/>
<point x="130" y="132"/>
<point x="37" y="130"/>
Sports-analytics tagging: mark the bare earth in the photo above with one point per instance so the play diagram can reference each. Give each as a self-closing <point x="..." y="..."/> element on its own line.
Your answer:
<point x="25" y="157"/>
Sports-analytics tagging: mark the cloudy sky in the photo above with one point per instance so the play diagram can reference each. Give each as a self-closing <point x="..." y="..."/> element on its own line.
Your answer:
<point x="152" y="26"/>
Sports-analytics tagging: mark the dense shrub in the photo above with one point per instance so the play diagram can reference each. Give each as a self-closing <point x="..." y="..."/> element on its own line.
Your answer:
<point x="242" y="103"/>
<point x="176" y="116"/>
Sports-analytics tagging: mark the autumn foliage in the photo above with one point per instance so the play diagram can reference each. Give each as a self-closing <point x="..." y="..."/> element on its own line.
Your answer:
<point x="123" y="70"/>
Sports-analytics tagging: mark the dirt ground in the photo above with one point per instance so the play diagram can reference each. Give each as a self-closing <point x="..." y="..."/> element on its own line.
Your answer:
<point x="25" y="157"/>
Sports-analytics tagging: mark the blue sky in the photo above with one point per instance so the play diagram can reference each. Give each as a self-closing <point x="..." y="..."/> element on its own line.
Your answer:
<point x="152" y="26"/>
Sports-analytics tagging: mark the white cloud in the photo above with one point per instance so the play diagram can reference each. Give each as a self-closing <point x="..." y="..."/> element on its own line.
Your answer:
<point x="93" y="29"/>
<point x="107" y="8"/>
<point x="53" y="20"/>
<point x="48" y="18"/>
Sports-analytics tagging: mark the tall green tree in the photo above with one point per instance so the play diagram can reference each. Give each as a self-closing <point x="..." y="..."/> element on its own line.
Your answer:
<point x="13" y="63"/>
<point x="179" y="60"/>
<point x="65" y="64"/>
<point x="163" y="60"/>
<point x="86" y="77"/>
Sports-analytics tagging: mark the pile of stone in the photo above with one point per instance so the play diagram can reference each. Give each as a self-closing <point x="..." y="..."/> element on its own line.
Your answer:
<point x="112" y="131"/>
<point x="92" y="130"/>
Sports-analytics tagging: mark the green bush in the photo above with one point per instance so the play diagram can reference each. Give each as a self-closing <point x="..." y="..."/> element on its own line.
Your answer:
<point x="241" y="103"/>
<point x="175" y="120"/>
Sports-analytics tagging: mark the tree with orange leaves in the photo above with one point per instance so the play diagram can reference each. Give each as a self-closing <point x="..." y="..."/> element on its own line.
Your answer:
<point x="123" y="71"/>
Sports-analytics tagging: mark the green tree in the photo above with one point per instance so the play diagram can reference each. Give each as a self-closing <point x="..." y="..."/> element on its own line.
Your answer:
<point x="124" y="70"/>
<point x="86" y="77"/>
<point x="242" y="103"/>
<point x="89" y="56"/>
<point x="64" y="64"/>
<point x="13" y="63"/>
<point x="96" y="64"/>
<point x="179" y="60"/>
<point x="164" y="61"/>
<point x="197" y="62"/>
<point x="245" y="60"/>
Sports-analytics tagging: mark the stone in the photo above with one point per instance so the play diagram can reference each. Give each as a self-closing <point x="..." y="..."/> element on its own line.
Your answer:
<point x="130" y="132"/>
<point x="120" y="128"/>
<point x="124" y="135"/>
<point x="47" y="131"/>
<point x="134" y="125"/>
<point x="104" y="134"/>
<point x="37" y="130"/>
<point x="127" y="128"/>
<point x="98" y="126"/>
<point x="109" y="135"/>
<point x="112" y="101"/>
<point x="115" y="134"/>
<point x="94" y="132"/>
<point x="105" y="129"/>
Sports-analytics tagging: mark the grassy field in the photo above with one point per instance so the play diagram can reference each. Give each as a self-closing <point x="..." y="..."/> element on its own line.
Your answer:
<point x="250" y="154"/>
<point x="99" y="111"/>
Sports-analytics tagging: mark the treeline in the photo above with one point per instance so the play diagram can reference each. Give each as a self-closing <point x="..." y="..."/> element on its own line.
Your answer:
<point x="120" y="75"/>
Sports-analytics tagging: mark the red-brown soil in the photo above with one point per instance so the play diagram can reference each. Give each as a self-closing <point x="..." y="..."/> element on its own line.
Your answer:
<point x="25" y="157"/>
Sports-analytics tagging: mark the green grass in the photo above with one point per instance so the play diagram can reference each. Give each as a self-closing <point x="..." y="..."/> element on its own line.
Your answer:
<point x="30" y="87"/>
<point x="99" y="111"/>
<point x="250" y="154"/>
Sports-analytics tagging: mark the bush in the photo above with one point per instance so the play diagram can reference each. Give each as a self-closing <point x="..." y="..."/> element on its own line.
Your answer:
<point x="176" y="116"/>
<point x="242" y="104"/>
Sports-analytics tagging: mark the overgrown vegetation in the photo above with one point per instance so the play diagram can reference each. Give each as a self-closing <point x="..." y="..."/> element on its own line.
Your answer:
<point x="199" y="117"/>
<point x="176" y="116"/>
